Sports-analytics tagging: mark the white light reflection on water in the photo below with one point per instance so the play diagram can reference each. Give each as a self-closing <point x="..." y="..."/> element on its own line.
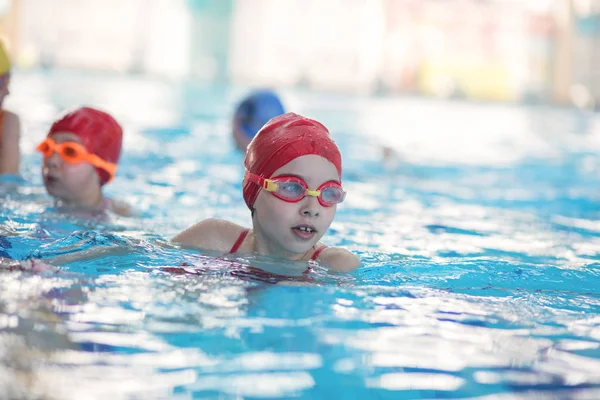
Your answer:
<point x="129" y="374"/>
<point x="266" y="385"/>
<point x="416" y="381"/>
<point x="521" y="378"/>
<point x="102" y="382"/>
<point x="444" y="335"/>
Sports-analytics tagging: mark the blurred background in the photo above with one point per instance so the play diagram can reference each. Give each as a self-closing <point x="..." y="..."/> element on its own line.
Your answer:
<point x="531" y="51"/>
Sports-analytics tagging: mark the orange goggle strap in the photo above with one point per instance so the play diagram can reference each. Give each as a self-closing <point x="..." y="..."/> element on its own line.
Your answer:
<point x="49" y="146"/>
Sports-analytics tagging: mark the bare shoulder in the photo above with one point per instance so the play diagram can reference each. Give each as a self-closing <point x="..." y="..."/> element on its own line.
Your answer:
<point x="120" y="208"/>
<point x="11" y="125"/>
<point x="340" y="259"/>
<point x="210" y="234"/>
<point x="11" y="117"/>
<point x="9" y="144"/>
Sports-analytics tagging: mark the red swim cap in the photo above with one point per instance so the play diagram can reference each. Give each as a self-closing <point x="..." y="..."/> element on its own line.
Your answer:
<point x="281" y="140"/>
<point x="100" y="134"/>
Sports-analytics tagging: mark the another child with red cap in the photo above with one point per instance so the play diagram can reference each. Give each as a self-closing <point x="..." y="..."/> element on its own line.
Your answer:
<point x="80" y="156"/>
<point x="292" y="187"/>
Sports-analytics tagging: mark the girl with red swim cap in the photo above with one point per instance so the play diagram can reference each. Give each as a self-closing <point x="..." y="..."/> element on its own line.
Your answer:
<point x="81" y="153"/>
<point x="292" y="186"/>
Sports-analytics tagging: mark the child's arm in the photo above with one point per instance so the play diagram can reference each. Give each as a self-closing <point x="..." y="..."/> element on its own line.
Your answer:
<point x="9" y="144"/>
<point x="51" y="263"/>
<point x="339" y="259"/>
<point x="120" y="208"/>
<point x="32" y="265"/>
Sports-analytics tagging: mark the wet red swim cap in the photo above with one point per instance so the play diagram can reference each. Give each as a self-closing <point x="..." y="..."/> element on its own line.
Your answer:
<point x="100" y="134"/>
<point x="281" y="140"/>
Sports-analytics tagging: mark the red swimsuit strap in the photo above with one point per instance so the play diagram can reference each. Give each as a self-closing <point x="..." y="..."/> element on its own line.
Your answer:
<point x="239" y="241"/>
<point x="317" y="252"/>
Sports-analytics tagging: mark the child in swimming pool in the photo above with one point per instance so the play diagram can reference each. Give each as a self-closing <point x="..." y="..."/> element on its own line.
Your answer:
<point x="81" y="153"/>
<point x="10" y="130"/>
<point x="292" y="187"/>
<point x="252" y="113"/>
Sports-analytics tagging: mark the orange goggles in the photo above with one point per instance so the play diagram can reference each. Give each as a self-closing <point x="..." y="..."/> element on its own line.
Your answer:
<point x="74" y="153"/>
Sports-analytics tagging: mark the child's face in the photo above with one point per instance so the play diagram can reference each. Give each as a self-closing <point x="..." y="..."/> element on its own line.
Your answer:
<point x="280" y="220"/>
<point x="69" y="182"/>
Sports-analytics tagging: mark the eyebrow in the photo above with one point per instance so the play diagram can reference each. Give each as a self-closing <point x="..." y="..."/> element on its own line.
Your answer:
<point x="303" y="178"/>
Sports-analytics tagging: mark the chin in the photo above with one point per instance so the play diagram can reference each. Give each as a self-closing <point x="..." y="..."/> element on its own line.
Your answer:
<point x="300" y="249"/>
<point x="57" y="194"/>
<point x="51" y="191"/>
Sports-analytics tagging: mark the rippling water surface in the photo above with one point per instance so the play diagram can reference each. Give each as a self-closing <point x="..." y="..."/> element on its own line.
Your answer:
<point x="479" y="235"/>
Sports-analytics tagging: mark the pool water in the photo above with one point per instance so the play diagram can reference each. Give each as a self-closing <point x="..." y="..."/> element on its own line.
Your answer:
<point x="479" y="238"/>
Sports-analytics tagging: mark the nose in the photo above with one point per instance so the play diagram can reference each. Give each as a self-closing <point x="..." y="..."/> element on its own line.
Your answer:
<point x="310" y="207"/>
<point x="54" y="161"/>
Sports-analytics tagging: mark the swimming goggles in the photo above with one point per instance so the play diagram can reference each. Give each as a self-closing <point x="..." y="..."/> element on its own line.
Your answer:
<point x="74" y="153"/>
<point x="293" y="189"/>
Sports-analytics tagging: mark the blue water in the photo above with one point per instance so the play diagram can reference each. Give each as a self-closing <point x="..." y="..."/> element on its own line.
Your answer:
<point x="480" y="241"/>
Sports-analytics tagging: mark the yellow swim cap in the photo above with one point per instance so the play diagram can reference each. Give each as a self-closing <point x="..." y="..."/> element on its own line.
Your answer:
<point x="4" y="60"/>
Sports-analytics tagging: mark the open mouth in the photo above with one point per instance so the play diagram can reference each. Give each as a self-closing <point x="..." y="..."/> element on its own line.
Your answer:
<point x="304" y="231"/>
<point x="50" y="179"/>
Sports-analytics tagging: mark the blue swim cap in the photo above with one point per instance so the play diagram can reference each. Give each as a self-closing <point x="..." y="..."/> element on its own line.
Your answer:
<point x="256" y="110"/>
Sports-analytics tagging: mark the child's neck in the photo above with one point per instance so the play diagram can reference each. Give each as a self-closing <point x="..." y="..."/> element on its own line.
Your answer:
<point x="261" y="245"/>
<point x="92" y="202"/>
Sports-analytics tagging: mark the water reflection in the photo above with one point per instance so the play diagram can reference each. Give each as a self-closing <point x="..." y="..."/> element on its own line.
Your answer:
<point x="480" y="267"/>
